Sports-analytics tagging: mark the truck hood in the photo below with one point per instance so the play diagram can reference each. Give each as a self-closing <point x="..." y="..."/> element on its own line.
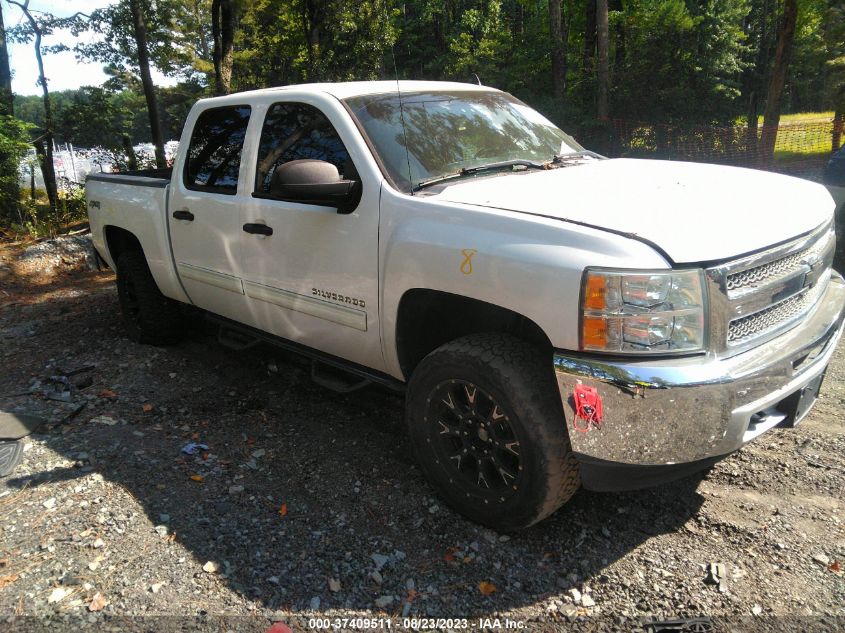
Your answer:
<point x="692" y="212"/>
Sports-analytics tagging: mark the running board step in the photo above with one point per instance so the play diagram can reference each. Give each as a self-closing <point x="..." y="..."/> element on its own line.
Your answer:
<point x="235" y="340"/>
<point x="336" y="379"/>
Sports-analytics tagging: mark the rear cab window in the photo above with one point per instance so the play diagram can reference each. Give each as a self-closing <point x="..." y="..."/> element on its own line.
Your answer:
<point x="213" y="160"/>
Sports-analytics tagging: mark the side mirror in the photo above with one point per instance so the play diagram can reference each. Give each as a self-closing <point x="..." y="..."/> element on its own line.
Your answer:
<point x="315" y="182"/>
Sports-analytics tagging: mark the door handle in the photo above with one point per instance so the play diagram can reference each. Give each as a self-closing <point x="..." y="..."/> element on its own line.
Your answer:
<point x="183" y="214"/>
<point x="258" y="229"/>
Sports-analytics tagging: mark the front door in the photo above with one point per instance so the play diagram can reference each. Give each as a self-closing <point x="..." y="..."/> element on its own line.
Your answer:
<point x="204" y="210"/>
<point x="315" y="279"/>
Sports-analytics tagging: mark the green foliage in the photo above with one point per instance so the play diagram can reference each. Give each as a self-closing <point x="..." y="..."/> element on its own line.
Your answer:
<point x="671" y="61"/>
<point x="93" y="117"/>
<point x="37" y="220"/>
<point x="681" y="63"/>
<point x="116" y="46"/>
<point x="14" y="144"/>
<point x="277" y="43"/>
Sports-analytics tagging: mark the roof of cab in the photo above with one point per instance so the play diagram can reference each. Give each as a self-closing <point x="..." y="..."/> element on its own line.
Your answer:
<point x="347" y="89"/>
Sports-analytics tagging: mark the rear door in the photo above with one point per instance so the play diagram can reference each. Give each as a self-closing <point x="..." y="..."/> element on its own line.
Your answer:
<point x="204" y="211"/>
<point x="315" y="279"/>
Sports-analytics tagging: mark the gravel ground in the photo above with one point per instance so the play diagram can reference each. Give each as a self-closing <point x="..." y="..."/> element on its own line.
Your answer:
<point x="307" y="503"/>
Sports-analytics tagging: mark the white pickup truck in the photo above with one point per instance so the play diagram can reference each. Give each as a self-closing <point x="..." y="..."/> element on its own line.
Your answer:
<point x="555" y="318"/>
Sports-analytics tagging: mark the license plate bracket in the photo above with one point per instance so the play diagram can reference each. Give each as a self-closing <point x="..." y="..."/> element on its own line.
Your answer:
<point x="799" y="404"/>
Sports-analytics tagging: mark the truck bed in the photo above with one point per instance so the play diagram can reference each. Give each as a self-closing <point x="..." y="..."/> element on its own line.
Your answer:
<point x="138" y="177"/>
<point x="135" y="202"/>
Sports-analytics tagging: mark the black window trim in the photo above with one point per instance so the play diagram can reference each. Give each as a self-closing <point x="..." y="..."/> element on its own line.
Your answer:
<point x="223" y="191"/>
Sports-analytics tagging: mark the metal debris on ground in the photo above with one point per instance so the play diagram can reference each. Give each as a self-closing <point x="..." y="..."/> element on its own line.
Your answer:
<point x="192" y="448"/>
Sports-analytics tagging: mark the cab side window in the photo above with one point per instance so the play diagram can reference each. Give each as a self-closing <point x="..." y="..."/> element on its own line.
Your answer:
<point x="296" y="131"/>
<point x="214" y="155"/>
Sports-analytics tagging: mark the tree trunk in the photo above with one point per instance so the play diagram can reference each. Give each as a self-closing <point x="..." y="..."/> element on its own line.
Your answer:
<point x="603" y="74"/>
<point x="46" y="153"/>
<point x="7" y="102"/>
<point x="589" y="52"/>
<point x="838" y="124"/>
<point x="217" y="46"/>
<point x="619" y="38"/>
<point x="7" y="107"/>
<point x="45" y="160"/>
<point x="751" y="130"/>
<point x="223" y="29"/>
<point x="147" y="81"/>
<point x="131" y="159"/>
<point x="780" y="69"/>
<point x="558" y="50"/>
<point x="312" y="14"/>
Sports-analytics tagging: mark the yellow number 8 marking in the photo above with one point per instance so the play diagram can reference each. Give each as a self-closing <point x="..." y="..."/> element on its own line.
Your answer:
<point x="466" y="265"/>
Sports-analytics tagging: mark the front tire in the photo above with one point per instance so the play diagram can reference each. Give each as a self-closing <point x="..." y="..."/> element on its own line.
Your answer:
<point x="148" y="315"/>
<point x="488" y="430"/>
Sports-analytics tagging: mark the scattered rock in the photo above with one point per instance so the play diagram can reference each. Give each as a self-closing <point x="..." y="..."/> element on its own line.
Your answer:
<point x="821" y="559"/>
<point x="104" y="419"/>
<point x="380" y="560"/>
<point x="211" y="567"/>
<point x="314" y="605"/>
<point x="57" y="595"/>
<point x="717" y="575"/>
<point x="587" y="601"/>
<point x="49" y="503"/>
<point x="384" y="601"/>
<point x="98" y="602"/>
<point x="334" y="585"/>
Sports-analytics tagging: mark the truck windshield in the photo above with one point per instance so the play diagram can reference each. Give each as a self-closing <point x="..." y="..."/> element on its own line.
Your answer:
<point x="447" y="132"/>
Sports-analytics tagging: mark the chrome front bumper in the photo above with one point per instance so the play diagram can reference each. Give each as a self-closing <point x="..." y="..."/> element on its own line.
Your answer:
<point x="675" y="411"/>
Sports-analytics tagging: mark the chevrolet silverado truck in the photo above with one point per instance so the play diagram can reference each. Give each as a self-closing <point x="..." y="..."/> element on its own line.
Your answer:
<point x="554" y="318"/>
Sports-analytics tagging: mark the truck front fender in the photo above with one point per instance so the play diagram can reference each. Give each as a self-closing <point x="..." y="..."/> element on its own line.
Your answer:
<point x="526" y="264"/>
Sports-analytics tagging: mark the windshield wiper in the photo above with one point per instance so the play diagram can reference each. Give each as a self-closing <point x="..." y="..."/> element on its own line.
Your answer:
<point x="468" y="171"/>
<point x="565" y="158"/>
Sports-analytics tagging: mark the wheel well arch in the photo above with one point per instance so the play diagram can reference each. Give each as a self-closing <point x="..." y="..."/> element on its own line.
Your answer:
<point x="427" y="319"/>
<point x="119" y="241"/>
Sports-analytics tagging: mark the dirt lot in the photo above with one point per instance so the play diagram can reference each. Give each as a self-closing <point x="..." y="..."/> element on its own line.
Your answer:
<point x="307" y="503"/>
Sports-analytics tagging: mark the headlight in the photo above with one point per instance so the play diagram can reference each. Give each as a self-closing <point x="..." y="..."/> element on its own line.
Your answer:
<point x="642" y="312"/>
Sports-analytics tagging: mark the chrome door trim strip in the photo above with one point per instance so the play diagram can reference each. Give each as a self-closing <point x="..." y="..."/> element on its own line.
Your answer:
<point x="341" y="315"/>
<point x="210" y="277"/>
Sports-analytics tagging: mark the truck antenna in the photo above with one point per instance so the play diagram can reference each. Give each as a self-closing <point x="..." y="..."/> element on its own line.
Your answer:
<point x="402" y="119"/>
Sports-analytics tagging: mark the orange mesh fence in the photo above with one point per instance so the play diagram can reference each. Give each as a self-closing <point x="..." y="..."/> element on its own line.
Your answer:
<point x="800" y="146"/>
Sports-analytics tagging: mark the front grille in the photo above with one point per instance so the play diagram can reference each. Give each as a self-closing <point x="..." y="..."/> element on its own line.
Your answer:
<point x="757" y="297"/>
<point x="759" y="275"/>
<point x="775" y="316"/>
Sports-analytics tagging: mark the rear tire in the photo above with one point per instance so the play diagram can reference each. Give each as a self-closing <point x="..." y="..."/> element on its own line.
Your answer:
<point x="11" y="453"/>
<point x="149" y="316"/>
<point x="488" y="430"/>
